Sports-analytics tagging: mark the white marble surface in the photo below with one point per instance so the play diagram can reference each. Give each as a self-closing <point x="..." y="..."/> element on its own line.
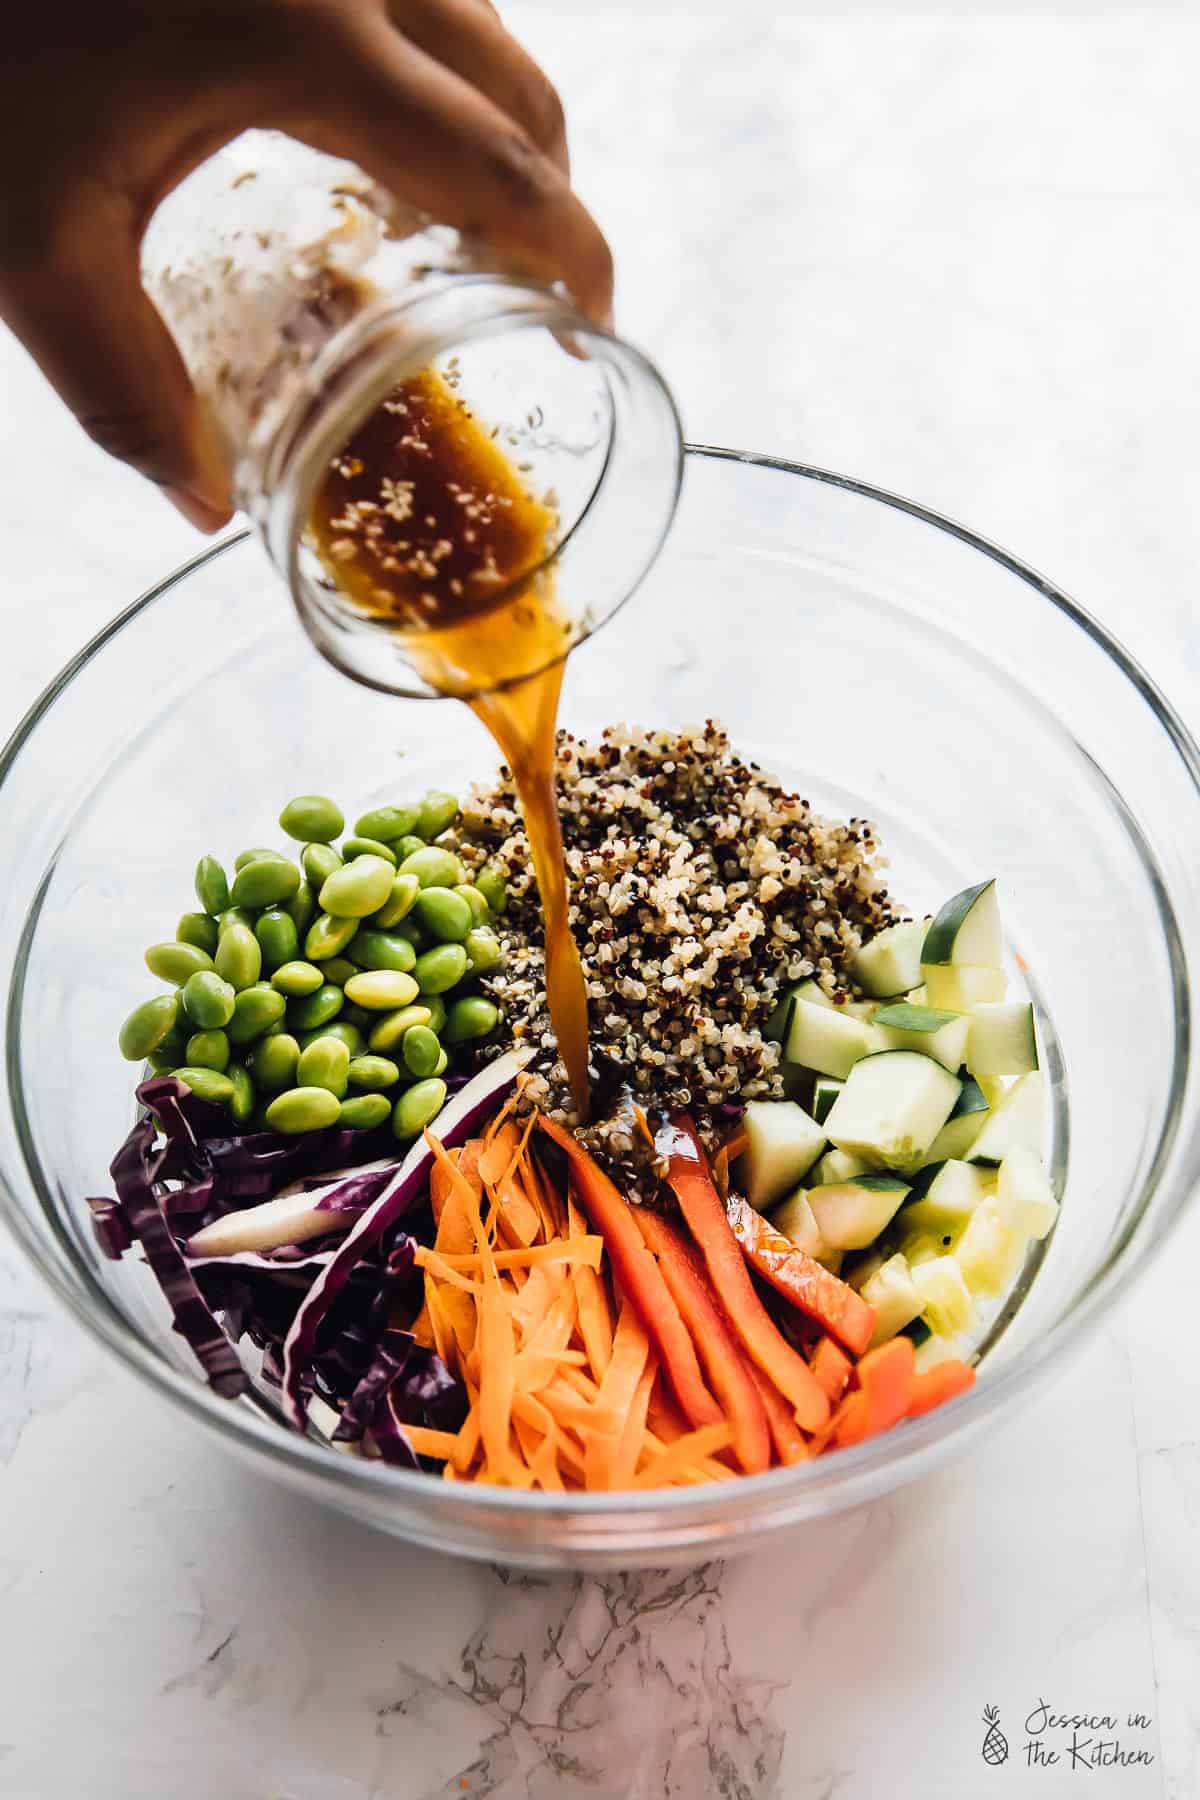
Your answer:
<point x="953" y="251"/>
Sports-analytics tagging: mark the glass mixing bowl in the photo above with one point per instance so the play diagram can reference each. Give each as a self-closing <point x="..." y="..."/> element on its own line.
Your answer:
<point x="890" y="662"/>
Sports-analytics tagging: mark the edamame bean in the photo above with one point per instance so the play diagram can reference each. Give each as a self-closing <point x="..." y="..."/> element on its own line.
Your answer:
<point x="373" y="1072"/>
<point x="273" y="1062"/>
<point x="295" y="979"/>
<point x="301" y="909"/>
<point x="325" y="1063"/>
<point x="387" y="823"/>
<point x="312" y="818"/>
<point x="434" y="867"/>
<point x="255" y="1010"/>
<point x="480" y="910"/>
<point x="265" y="882"/>
<point x="169" y="1053"/>
<point x="197" y="929"/>
<point x="383" y="950"/>
<point x="148" y="1026"/>
<point x="207" y="1050"/>
<point x="255" y="855"/>
<point x="358" y="1015"/>
<point x="347" y="1034"/>
<point x="408" y="846"/>
<point x="241" y="1101"/>
<point x="239" y="957"/>
<point x="438" y="970"/>
<point x="359" y="888"/>
<point x="443" y="1063"/>
<point x="436" y="813"/>
<point x="207" y="1084"/>
<point x="484" y="949"/>
<point x="235" y="915"/>
<point x="277" y="934"/>
<point x="417" y="1107"/>
<point x="339" y="969"/>
<point x="212" y="885"/>
<point x="380" y="990"/>
<point x="363" y="846"/>
<point x="390" y="1031"/>
<point x="320" y="860"/>
<point x="471" y="1017"/>
<point x="316" y="1009"/>
<point x="364" y="1112"/>
<point x="420" y="1051"/>
<point x="303" y="1109"/>
<point x="437" y="1011"/>
<point x="176" y="963"/>
<point x="399" y="902"/>
<point x="494" y="888"/>
<point x="328" y="937"/>
<point x="444" y="914"/>
<point x="208" y="1000"/>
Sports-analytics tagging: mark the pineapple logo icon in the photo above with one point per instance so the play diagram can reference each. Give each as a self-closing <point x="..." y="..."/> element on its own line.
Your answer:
<point x="995" y="1744"/>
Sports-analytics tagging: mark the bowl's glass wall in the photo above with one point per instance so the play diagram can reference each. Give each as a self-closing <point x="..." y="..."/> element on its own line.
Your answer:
<point x="892" y="668"/>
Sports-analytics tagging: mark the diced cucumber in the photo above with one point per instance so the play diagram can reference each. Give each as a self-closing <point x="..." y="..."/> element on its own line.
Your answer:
<point x="959" y="986"/>
<point x="832" y="1259"/>
<point x="991" y="1249"/>
<point x="824" y="1039"/>
<point x="948" y="1202"/>
<point x="946" y="1303"/>
<point x="862" y="1269"/>
<point x="782" y="1145"/>
<point x="892" y="1292"/>
<point x="967" y="930"/>
<point x="1002" y="1039"/>
<point x="794" y="1218"/>
<point x="1024" y="1188"/>
<point x="813" y="992"/>
<point x="1017" y="1121"/>
<point x="934" y="1350"/>
<point x="890" y="963"/>
<point x="858" y="1009"/>
<point x="942" y="1035"/>
<point x="919" y="996"/>
<point x="835" y="1165"/>
<point x="892" y="1107"/>
<point x="918" y="1331"/>
<point x="964" y="1124"/>
<point x="825" y="1093"/>
<point x="852" y="1214"/>
<point x="780" y="1022"/>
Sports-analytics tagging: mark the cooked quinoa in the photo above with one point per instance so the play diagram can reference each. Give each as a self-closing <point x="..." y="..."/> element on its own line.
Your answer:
<point x="700" y="889"/>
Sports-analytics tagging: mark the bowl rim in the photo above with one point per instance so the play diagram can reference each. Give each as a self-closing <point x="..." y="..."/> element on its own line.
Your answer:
<point x="257" y="1432"/>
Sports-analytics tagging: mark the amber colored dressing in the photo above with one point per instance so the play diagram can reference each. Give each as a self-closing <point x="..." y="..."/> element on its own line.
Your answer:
<point x="424" y="523"/>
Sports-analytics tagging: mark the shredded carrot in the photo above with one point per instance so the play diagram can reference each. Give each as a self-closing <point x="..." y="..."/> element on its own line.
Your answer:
<point x="684" y="1452"/>
<point x="431" y="1443"/>
<point x="566" y="1250"/>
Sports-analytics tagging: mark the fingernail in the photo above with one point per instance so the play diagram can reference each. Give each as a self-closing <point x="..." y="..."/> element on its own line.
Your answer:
<point x="197" y="512"/>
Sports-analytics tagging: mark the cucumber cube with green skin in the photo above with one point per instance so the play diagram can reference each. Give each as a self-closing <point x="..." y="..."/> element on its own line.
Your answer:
<point x="794" y="1218"/>
<point x="835" y="1165"/>
<point x="919" y="996"/>
<point x="1023" y="1188"/>
<point x="991" y="1248"/>
<point x="783" y="1143"/>
<point x="822" y="1038"/>
<point x="1002" y="1039"/>
<point x="892" y="1107"/>
<point x="825" y="1092"/>
<point x="893" y="1295"/>
<point x="862" y="1269"/>
<point x="946" y="1303"/>
<point x="890" y="963"/>
<point x="779" y="1024"/>
<point x="967" y="930"/>
<point x="942" y="1035"/>
<point x="850" y="1215"/>
<point x="964" y="1125"/>
<point x="959" y="987"/>
<point x="1016" y="1121"/>
<point x="949" y="1199"/>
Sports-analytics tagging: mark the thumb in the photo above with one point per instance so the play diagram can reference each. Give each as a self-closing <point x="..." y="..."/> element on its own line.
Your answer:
<point x="83" y="315"/>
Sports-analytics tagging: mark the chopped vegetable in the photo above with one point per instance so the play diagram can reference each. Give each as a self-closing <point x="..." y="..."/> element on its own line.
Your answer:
<point x="817" y="1293"/>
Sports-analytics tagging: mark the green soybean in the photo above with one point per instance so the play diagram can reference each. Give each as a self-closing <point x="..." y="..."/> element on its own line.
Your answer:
<point x="235" y="915"/>
<point x="444" y="914"/>
<point x="437" y="1011"/>
<point x="325" y="1063"/>
<point x="363" y="846"/>
<point x="399" y="902"/>
<point x="484" y="949"/>
<point x="359" y="888"/>
<point x="436" y="813"/>
<point x="481" y="912"/>
<point x="197" y="929"/>
<point x="347" y="1034"/>
<point x="418" y="1106"/>
<point x="471" y="1017"/>
<point x="148" y="1026"/>
<point x="339" y="970"/>
<point x="239" y="957"/>
<point x="177" y="962"/>
<point x="387" y="823"/>
<point x="212" y="885"/>
<point x="438" y="970"/>
<point x="255" y="1010"/>
<point x="443" y="1063"/>
<point x="265" y="881"/>
<point x="319" y="862"/>
<point x="328" y="937"/>
<point x="207" y="1050"/>
<point x="358" y="1015"/>
<point x="208" y="1000"/>
<point x="383" y="950"/>
<point x="381" y="990"/>
<point x="255" y="855"/>
<point x="295" y="979"/>
<point x="241" y="1101"/>
<point x="373" y="1072"/>
<point x="301" y="909"/>
<point x="434" y="867"/>
<point x="420" y="1051"/>
<point x="389" y="1032"/>
<point x="408" y="846"/>
<point x="303" y="1109"/>
<point x="169" y="1053"/>
<point x="312" y="818"/>
<point x="414" y="931"/>
<point x="273" y="1062"/>
<point x="277" y="934"/>
<point x="494" y="888"/>
<point x="207" y="1084"/>
<point x="364" y="1112"/>
<point x="316" y="1009"/>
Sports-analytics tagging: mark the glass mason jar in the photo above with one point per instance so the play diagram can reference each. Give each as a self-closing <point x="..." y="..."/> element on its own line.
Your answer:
<point x="300" y="294"/>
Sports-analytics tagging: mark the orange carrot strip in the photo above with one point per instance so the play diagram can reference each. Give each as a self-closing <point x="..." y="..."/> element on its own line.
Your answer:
<point x="550" y="1334"/>
<point x="689" y="1181"/>
<point x="468" y="1193"/>
<point x="885" y="1378"/>
<point x="662" y="1469"/>
<point x="791" y="1446"/>
<point x="587" y="1250"/>
<point x="497" y="1357"/>
<point x="427" y="1442"/>
<point x="724" y="1364"/>
<point x="441" y="1187"/>
<point x="832" y="1368"/>
<point x="595" y="1318"/>
<point x="795" y="1275"/>
<point x="639" y="1275"/>
<point x="632" y="1440"/>
<point x="421" y="1328"/>
<point x="945" y="1381"/>
<point x="468" y="1435"/>
<point x="631" y="1351"/>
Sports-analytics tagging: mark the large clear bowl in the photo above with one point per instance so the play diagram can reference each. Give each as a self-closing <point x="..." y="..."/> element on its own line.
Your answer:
<point x="894" y="664"/>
